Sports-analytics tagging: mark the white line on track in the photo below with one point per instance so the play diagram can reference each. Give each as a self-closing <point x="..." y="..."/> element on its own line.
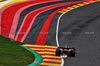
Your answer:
<point x="57" y="28"/>
<point x="4" y="2"/>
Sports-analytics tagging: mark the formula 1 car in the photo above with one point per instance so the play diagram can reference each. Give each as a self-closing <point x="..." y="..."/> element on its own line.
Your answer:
<point x="65" y="52"/>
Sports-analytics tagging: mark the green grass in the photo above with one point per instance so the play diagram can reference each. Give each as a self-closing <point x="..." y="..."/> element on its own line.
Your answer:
<point x="11" y="54"/>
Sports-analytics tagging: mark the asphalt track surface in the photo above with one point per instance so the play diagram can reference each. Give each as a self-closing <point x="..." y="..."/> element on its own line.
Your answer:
<point x="79" y="28"/>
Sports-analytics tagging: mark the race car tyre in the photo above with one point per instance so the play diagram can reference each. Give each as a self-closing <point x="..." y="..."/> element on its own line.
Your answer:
<point x="72" y="53"/>
<point x="58" y="52"/>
